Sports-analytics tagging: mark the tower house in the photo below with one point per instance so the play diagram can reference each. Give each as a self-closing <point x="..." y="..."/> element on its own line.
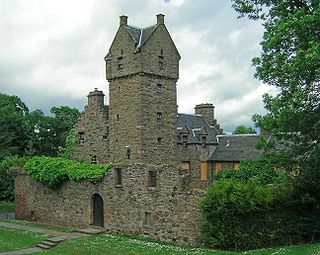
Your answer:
<point x="142" y="68"/>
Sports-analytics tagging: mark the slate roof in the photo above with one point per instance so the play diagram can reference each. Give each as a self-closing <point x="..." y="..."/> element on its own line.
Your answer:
<point x="196" y="124"/>
<point x="236" y="148"/>
<point x="140" y="35"/>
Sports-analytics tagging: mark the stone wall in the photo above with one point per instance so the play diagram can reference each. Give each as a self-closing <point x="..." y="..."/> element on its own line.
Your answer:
<point x="173" y="210"/>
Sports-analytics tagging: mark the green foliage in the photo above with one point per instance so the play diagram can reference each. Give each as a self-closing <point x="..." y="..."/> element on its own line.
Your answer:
<point x="7" y="206"/>
<point x="51" y="172"/>
<point x="6" y="178"/>
<point x="260" y="171"/>
<point x="72" y="140"/>
<point x="290" y="61"/>
<point x="14" y="130"/>
<point x="242" y="129"/>
<point x="257" y="206"/>
<point x="49" y="133"/>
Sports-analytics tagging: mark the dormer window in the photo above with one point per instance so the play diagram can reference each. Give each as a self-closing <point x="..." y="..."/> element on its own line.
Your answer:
<point x="185" y="140"/>
<point x="203" y="140"/>
<point x="81" y="137"/>
<point x="120" y="62"/>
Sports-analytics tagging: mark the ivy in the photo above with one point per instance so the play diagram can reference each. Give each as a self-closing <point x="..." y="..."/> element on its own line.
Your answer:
<point x="51" y="172"/>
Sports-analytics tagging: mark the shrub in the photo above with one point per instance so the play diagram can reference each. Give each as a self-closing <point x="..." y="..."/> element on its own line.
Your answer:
<point x="51" y="172"/>
<point x="6" y="178"/>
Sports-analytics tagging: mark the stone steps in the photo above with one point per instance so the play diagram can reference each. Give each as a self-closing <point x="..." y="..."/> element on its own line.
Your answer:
<point x="92" y="230"/>
<point x="50" y="242"/>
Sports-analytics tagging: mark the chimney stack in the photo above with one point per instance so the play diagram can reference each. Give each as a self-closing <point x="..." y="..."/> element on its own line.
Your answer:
<point x="207" y="111"/>
<point x="160" y="19"/>
<point x="123" y="20"/>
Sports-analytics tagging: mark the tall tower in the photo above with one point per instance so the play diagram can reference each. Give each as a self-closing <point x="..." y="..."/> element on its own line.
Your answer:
<point x="142" y="67"/>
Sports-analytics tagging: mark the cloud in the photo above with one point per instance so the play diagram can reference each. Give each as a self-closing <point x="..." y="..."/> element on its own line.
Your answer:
<point x="54" y="52"/>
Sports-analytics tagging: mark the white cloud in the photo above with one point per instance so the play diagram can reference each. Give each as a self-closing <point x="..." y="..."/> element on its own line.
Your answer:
<point x="52" y="51"/>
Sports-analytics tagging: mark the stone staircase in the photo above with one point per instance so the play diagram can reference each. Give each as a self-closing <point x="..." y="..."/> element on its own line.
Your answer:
<point x="50" y="242"/>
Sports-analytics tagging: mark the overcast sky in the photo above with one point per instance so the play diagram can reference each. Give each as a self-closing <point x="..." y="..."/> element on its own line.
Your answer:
<point x="52" y="52"/>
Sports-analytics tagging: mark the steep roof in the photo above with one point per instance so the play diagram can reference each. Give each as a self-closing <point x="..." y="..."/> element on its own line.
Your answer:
<point x="197" y="125"/>
<point x="236" y="148"/>
<point x="140" y="35"/>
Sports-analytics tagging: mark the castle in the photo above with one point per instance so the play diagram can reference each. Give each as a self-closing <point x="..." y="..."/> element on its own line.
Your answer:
<point x="163" y="160"/>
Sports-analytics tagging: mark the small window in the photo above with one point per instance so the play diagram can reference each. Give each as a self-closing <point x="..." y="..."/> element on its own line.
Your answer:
<point x="158" y="88"/>
<point x="118" y="117"/>
<point x="185" y="140"/>
<point x="81" y="137"/>
<point x="236" y="165"/>
<point x="159" y="117"/>
<point x="128" y="153"/>
<point x="118" y="176"/>
<point x="120" y="62"/>
<point x="161" y="52"/>
<point x="147" y="218"/>
<point x="218" y="166"/>
<point x="185" y="165"/>
<point x="159" y="139"/>
<point x="121" y="52"/>
<point x="152" y="179"/>
<point x="94" y="159"/>
<point x="160" y="61"/>
<point x="204" y="171"/>
<point x="204" y="141"/>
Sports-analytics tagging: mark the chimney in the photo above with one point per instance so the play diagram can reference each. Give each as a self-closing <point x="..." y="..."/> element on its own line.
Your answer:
<point x="160" y="19"/>
<point x="123" y="20"/>
<point x="207" y="111"/>
<point x="96" y="99"/>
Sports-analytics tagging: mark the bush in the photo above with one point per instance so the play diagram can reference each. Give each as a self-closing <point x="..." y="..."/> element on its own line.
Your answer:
<point x="51" y="172"/>
<point x="6" y="178"/>
<point x="237" y="215"/>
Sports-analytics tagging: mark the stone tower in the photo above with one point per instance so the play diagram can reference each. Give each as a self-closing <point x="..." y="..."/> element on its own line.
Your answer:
<point x="142" y="67"/>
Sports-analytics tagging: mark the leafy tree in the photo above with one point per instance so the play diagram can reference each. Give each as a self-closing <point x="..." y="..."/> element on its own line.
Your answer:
<point x="290" y="61"/>
<point x="242" y="129"/>
<point x="14" y="131"/>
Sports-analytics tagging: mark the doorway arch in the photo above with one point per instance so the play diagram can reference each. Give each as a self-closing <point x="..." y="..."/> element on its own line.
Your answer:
<point x="97" y="210"/>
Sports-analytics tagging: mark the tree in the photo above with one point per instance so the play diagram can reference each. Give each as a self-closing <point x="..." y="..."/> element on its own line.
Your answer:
<point x="290" y="61"/>
<point x="242" y="129"/>
<point x="14" y="129"/>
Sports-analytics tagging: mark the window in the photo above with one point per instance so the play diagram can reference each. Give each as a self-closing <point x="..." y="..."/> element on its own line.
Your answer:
<point x="118" y="117"/>
<point x="236" y="165"/>
<point x="81" y="137"/>
<point x="159" y="139"/>
<point x="159" y="117"/>
<point x="120" y="62"/>
<point x="160" y="61"/>
<point x="204" y="171"/>
<point x="128" y="153"/>
<point x="203" y="141"/>
<point x="118" y="176"/>
<point x="94" y="159"/>
<point x="152" y="179"/>
<point x="158" y="88"/>
<point x="185" y="165"/>
<point x="185" y="140"/>
<point x="218" y="166"/>
<point x="147" y="218"/>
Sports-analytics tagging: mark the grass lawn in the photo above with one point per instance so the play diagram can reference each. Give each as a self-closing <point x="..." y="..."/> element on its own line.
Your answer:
<point x="14" y="239"/>
<point x="120" y="245"/>
<point x="39" y="225"/>
<point x="7" y="207"/>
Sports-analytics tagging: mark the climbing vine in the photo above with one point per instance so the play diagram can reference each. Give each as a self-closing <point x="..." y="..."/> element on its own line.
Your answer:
<point x="52" y="171"/>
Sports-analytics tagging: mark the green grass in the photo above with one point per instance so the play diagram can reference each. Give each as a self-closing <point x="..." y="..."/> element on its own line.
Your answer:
<point x="14" y="239"/>
<point x="122" y="245"/>
<point x="40" y="225"/>
<point x="6" y="206"/>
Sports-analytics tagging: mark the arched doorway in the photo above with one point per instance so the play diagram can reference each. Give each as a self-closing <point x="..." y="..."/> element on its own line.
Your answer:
<point x="97" y="210"/>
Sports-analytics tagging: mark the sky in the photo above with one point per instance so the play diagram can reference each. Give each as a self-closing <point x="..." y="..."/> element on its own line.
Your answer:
<point x="52" y="52"/>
